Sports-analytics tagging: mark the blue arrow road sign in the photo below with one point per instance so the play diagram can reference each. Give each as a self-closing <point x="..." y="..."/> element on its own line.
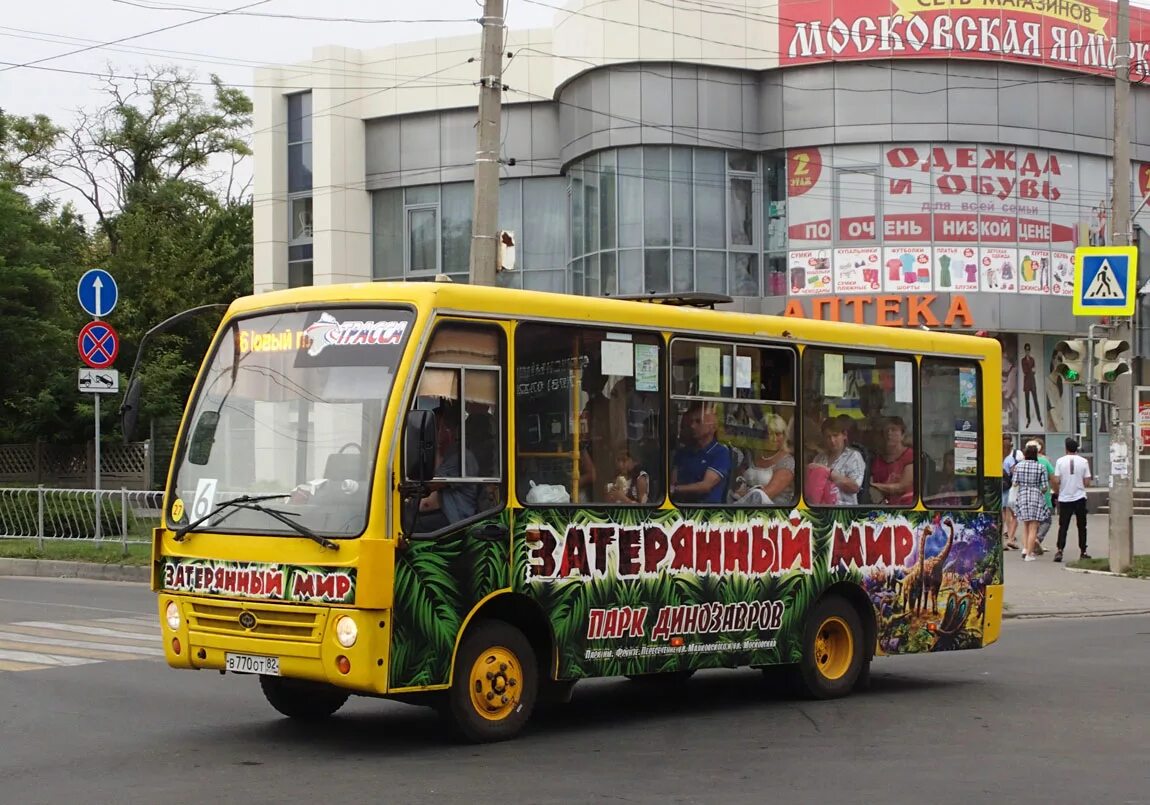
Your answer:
<point x="97" y="292"/>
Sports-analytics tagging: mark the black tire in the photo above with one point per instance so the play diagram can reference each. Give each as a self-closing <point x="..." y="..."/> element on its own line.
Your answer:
<point x="833" y="650"/>
<point x="301" y="699"/>
<point x="495" y="683"/>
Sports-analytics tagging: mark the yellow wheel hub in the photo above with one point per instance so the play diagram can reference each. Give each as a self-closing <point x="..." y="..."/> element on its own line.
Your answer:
<point x="496" y="682"/>
<point x="834" y="648"/>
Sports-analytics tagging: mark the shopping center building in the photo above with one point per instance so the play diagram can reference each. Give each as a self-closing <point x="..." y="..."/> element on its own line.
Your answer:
<point x="899" y="162"/>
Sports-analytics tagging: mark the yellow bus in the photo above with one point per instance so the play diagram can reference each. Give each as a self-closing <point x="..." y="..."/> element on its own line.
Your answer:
<point x="473" y="497"/>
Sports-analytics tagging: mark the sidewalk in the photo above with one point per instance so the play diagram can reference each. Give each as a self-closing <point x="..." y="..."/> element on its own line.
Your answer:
<point x="1044" y="589"/>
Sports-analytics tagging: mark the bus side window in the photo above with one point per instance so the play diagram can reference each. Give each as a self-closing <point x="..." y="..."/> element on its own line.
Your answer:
<point x="859" y="429"/>
<point x="589" y="419"/>
<point x="461" y="380"/>
<point x="952" y="438"/>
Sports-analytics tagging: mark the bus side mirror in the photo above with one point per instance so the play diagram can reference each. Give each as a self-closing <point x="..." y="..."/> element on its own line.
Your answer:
<point x="203" y="437"/>
<point x="419" y="449"/>
<point x="418" y="467"/>
<point x="130" y="409"/>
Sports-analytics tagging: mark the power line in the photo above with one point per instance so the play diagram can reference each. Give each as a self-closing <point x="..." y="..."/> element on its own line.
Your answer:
<point x="303" y="17"/>
<point x="136" y="36"/>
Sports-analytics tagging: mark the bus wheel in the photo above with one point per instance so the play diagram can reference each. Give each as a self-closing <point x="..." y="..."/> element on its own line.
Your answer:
<point x="301" y="699"/>
<point x="833" y="651"/>
<point x="495" y="683"/>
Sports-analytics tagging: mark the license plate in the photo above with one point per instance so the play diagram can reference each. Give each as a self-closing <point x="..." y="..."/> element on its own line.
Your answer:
<point x="252" y="664"/>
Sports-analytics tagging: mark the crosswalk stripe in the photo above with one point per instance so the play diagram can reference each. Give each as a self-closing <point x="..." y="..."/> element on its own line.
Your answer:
<point x="66" y="651"/>
<point x="151" y="626"/>
<point x="43" y="659"/>
<point x="8" y="665"/>
<point x="52" y="641"/>
<point x="91" y="630"/>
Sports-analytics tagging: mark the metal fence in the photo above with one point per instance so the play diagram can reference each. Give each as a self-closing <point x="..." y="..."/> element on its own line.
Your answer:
<point x="110" y="515"/>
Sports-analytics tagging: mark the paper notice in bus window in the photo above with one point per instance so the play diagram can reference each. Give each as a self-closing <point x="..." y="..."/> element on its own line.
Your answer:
<point x="742" y="371"/>
<point x="726" y="371"/>
<point x="646" y="367"/>
<point x="832" y="375"/>
<point x="967" y="389"/>
<point x="903" y="382"/>
<point x="709" y="370"/>
<point x="618" y="359"/>
<point x="965" y="449"/>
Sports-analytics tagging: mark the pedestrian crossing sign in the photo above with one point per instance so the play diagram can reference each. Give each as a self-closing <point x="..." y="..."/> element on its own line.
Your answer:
<point x="1104" y="280"/>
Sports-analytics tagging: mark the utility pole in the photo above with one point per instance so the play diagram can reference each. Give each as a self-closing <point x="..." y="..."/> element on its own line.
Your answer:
<point x="1122" y="434"/>
<point x="485" y="217"/>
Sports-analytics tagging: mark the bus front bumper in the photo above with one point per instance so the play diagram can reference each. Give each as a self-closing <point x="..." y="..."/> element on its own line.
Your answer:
<point x="302" y="638"/>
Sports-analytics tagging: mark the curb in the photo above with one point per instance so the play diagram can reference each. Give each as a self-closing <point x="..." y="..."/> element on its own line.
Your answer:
<point x="56" y="569"/>
<point x="1103" y="573"/>
<point x="1099" y="613"/>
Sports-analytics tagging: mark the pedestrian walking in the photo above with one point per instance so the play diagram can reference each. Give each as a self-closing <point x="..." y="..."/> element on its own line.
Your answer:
<point x="1010" y="457"/>
<point x="1044" y="526"/>
<point x="1073" y="472"/>
<point x="1028" y="489"/>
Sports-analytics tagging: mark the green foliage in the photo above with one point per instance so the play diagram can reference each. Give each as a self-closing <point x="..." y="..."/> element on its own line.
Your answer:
<point x="166" y="226"/>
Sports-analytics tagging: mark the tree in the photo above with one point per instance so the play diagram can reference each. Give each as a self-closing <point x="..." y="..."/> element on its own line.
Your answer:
<point x="156" y="163"/>
<point x="155" y="129"/>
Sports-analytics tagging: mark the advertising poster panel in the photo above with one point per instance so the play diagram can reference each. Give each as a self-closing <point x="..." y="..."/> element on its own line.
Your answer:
<point x="857" y="270"/>
<point x="1034" y="271"/>
<point x="809" y="272"/>
<point x="906" y="269"/>
<point x="955" y="268"/>
<point x="1032" y="372"/>
<point x="999" y="270"/>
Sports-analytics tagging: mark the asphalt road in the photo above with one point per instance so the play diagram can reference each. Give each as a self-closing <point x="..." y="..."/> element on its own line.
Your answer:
<point x="1059" y="711"/>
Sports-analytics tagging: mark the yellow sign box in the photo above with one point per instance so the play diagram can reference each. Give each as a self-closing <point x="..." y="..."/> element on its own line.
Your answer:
<point x="1105" y="280"/>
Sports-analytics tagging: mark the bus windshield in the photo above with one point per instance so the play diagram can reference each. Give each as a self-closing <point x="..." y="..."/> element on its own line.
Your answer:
<point x="290" y="403"/>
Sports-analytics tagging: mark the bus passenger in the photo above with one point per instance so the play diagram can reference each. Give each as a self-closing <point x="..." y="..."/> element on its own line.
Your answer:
<point x="448" y="503"/>
<point x="892" y="468"/>
<point x="770" y="480"/>
<point x="836" y="472"/>
<point x="701" y="467"/>
<point x="633" y="483"/>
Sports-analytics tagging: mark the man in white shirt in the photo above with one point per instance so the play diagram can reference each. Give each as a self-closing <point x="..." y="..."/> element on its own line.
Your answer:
<point x="1073" y="474"/>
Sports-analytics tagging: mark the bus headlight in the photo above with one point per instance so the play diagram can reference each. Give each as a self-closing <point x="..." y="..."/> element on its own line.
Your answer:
<point x="346" y="631"/>
<point x="172" y="613"/>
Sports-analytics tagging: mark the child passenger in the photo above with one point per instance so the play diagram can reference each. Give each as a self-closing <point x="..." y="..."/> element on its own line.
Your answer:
<point x="633" y="484"/>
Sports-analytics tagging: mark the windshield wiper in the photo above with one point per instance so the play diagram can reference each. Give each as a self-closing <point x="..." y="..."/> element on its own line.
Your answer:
<point x="253" y="502"/>
<point x="299" y="528"/>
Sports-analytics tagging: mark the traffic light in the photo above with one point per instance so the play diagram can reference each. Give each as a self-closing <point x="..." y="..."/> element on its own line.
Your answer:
<point x="1110" y="359"/>
<point x="1072" y="359"/>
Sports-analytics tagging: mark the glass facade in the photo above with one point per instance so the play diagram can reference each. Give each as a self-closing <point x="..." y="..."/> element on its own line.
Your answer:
<point x="657" y="219"/>
<point x="299" y="172"/>
<point x="422" y="231"/>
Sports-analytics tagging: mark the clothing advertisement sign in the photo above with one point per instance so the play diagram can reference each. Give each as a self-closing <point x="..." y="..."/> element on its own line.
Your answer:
<point x="1062" y="273"/>
<point x="1070" y="34"/>
<point x="955" y="268"/>
<point x="1032" y="373"/>
<point x="999" y="270"/>
<point x="810" y="272"/>
<point x="1034" y="271"/>
<point x="858" y="270"/>
<point x="1010" y="382"/>
<point x="906" y="269"/>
